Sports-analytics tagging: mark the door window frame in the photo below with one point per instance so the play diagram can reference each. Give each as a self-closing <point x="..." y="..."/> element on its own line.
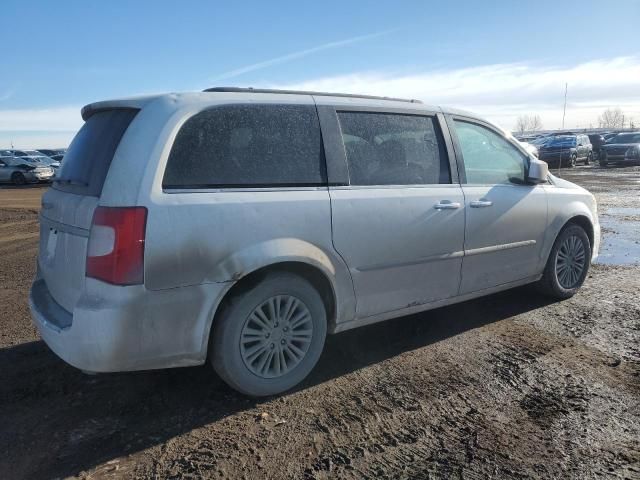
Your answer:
<point x="336" y="156"/>
<point x="450" y="119"/>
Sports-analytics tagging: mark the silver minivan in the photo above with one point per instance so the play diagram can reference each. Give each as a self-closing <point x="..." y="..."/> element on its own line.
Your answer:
<point x="240" y="226"/>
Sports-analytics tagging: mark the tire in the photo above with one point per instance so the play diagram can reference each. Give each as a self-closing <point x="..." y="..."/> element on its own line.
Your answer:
<point x="18" y="179"/>
<point x="589" y="158"/>
<point x="573" y="161"/>
<point x="603" y="158"/>
<point x="564" y="283"/>
<point x="240" y="330"/>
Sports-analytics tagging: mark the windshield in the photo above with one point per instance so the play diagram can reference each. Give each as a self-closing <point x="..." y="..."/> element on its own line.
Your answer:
<point x="625" y="138"/>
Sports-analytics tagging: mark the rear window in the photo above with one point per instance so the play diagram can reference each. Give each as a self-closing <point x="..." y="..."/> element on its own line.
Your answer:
<point x="89" y="156"/>
<point x="248" y="146"/>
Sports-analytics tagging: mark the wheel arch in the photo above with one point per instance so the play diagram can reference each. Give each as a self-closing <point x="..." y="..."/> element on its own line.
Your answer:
<point x="582" y="221"/>
<point x="315" y="275"/>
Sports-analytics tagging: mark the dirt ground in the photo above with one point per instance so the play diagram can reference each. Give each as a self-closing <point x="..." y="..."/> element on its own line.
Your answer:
<point x="507" y="386"/>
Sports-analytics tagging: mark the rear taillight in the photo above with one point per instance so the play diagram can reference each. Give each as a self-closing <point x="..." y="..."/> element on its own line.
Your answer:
<point x="116" y="245"/>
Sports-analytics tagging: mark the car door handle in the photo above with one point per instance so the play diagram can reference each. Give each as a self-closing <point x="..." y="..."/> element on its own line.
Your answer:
<point x="481" y="203"/>
<point x="446" y="205"/>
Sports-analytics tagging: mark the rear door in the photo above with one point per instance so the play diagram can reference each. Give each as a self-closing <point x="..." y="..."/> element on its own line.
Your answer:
<point x="5" y="170"/>
<point x="398" y="222"/>
<point x="505" y="217"/>
<point x="68" y="206"/>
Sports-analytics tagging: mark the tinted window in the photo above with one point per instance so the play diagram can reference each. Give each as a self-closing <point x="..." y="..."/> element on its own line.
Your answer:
<point x="626" y="138"/>
<point x="564" y="141"/>
<point x="89" y="156"/>
<point x="390" y="149"/>
<point x="248" y="145"/>
<point x="488" y="157"/>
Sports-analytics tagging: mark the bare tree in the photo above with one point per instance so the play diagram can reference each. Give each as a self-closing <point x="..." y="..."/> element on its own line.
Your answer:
<point x="611" y="118"/>
<point x="528" y="123"/>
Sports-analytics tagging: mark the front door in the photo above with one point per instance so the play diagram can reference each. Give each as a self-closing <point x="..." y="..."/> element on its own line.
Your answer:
<point x="399" y="224"/>
<point x="505" y="218"/>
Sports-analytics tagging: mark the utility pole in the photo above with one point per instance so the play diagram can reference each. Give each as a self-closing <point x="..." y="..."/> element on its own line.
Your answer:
<point x="564" y="111"/>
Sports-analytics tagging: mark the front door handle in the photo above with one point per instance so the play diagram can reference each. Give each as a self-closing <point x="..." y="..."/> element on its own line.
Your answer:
<point x="481" y="203"/>
<point x="446" y="205"/>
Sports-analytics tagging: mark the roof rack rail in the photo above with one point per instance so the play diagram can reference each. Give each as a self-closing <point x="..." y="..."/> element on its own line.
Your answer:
<point x="304" y="92"/>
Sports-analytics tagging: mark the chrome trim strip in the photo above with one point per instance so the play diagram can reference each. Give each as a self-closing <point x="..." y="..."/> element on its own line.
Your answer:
<point x="497" y="248"/>
<point x="430" y="258"/>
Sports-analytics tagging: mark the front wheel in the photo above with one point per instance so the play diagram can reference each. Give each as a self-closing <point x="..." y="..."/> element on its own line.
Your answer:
<point x="568" y="263"/>
<point x="18" y="179"/>
<point x="573" y="161"/>
<point x="602" y="158"/>
<point x="268" y="338"/>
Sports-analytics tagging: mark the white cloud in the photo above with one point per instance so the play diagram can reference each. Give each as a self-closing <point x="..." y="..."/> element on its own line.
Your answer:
<point x="27" y="140"/>
<point x="295" y="55"/>
<point x="501" y="92"/>
<point x="39" y="128"/>
<point x="51" y="119"/>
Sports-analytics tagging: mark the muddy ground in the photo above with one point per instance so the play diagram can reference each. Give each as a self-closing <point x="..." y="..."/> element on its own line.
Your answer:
<point x="508" y="386"/>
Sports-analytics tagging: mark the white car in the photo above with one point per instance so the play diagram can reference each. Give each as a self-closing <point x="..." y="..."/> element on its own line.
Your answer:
<point x="240" y="226"/>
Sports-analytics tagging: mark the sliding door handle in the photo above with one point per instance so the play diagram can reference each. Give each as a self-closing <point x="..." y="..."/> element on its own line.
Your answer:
<point x="481" y="203"/>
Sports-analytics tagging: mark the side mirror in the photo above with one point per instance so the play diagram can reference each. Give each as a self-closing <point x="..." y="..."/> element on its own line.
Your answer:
<point x="538" y="171"/>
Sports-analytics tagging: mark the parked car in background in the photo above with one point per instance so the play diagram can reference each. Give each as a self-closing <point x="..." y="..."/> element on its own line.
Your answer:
<point x="527" y="138"/>
<point x="566" y="150"/>
<point x="239" y="227"/>
<point x="52" y="152"/>
<point x="20" y="171"/>
<point x="597" y="140"/>
<point x="622" y="149"/>
<point x="28" y="153"/>
<point x="54" y="164"/>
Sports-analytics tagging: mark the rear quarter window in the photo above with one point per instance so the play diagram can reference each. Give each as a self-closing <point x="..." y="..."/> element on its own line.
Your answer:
<point x="248" y="146"/>
<point x="88" y="158"/>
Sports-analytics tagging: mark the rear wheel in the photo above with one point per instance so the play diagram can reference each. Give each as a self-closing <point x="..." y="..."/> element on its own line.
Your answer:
<point x="589" y="158"/>
<point x="568" y="263"/>
<point x="267" y="339"/>
<point x="18" y="179"/>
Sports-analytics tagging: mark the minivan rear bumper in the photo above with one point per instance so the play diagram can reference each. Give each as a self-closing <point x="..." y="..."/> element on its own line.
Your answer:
<point x="141" y="330"/>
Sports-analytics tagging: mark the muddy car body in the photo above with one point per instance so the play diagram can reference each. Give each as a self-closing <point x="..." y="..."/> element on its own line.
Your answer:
<point x="241" y="226"/>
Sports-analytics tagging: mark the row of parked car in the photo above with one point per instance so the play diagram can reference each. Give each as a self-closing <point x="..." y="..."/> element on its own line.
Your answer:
<point x="567" y="149"/>
<point x="21" y="167"/>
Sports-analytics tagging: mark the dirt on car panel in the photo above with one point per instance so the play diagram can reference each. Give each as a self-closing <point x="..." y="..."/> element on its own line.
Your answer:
<point x="506" y="386"/>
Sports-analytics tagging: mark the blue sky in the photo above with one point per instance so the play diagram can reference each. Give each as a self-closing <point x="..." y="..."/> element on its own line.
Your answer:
<point x="497" y="58"/>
